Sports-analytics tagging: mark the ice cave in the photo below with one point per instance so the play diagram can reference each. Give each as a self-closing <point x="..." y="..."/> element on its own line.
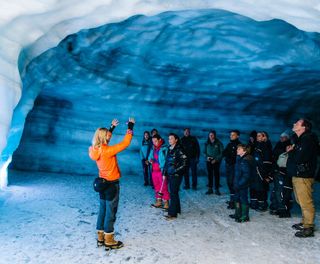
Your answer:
<point x="68" y="67"/>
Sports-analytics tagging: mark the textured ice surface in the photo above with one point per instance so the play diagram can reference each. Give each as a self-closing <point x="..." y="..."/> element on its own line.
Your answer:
<point x="205" y="69"/>
<point x="30" y="28"/>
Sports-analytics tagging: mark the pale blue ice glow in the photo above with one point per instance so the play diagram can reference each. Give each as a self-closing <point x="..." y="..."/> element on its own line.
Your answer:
<point x="205" y="69"/>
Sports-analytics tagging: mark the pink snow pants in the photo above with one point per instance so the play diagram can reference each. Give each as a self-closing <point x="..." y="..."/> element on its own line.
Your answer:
<point x="157" y="181"/>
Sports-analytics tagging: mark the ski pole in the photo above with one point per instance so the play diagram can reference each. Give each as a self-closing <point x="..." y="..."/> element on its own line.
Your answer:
<point x="160" y="193"/>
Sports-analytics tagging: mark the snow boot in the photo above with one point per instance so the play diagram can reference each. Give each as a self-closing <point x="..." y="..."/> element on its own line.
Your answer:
<point x="298" y="226"/>
<point x="157" y="204"/>
<point x="244" y="214"/>
<point x="254" y="204"/>
<point x="210" y="191"/>
<point x="262" y="206"/>
<point x="110" y="243"/>
<point x="100" y="239"/>
<point x="217" y="192"/>
<point x="165" y="205"/>
<point x="305" y="232"/>
<point x="284" y="213"/>
<point x="230" y="205"/>
<point x="237" y="213"/>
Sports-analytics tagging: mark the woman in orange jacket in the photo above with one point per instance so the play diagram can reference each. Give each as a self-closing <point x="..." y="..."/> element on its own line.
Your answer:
<point x="105" y="157"/>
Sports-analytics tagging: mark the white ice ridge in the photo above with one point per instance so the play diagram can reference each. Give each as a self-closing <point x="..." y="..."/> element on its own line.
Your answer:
<point x="34" y="26"/>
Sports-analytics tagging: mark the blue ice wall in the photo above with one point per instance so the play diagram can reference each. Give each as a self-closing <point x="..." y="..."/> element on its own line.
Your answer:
<point x="203" y="69"/>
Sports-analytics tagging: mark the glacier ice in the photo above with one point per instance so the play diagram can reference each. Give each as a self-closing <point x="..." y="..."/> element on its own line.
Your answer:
<point x="204" y="69"/>
<point x="28" y="29"/>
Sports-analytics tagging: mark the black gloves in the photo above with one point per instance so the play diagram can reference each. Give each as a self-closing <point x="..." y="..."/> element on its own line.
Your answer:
<point x="112" y="127"/>
<point x="130" y="125"/>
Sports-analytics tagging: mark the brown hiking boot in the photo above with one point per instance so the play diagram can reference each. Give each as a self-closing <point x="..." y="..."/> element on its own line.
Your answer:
<point x="100" y="238"/>
<point x="157" y="204"/>
<point x="110" y="243"/>
<point x="165" y="205"/>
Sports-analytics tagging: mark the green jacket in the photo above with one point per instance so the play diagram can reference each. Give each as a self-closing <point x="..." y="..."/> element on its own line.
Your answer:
<point x="213" y="150"/>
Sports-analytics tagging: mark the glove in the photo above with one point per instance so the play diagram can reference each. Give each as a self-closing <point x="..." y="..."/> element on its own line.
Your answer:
<point x="130" y="125"/>
<point x="112" y="127"/>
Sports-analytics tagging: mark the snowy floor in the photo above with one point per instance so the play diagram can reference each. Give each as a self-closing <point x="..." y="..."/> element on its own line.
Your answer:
<point x="49" y="218"/>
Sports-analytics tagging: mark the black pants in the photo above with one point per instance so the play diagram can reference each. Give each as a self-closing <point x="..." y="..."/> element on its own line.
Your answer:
<point x="146" y="172"/>
<point x="282" y="193"/>
<point x="230" y="171"/>
<point x="192" y="164"/>
<point x="213" y="169"/>
<point x="174" y="186"/>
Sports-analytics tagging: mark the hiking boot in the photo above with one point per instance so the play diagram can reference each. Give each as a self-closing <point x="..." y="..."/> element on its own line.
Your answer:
<point x="210" y="191"/>
<point x="237" y="212"/>
<point x="284" y="214"/>
<point x="165" y="205"/>
<point x="217" y="192"/>
<point x="298" y="226"/>
<point x="230" y="205"/>
<point x="157" y="204"/>
<point x="100" y="238"/>
<point x="110" y="242"/>
<point x="273" y="212"/>
<point x="305" y="232"/>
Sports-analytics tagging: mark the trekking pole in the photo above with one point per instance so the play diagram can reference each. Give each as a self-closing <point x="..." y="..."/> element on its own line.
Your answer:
<point x="160" y="193"/>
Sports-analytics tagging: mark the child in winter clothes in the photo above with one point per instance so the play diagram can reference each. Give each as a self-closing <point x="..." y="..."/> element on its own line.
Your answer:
<point x="105" y="157"/>
<point x="243" y="175"/>
<point x="157" y="158"/>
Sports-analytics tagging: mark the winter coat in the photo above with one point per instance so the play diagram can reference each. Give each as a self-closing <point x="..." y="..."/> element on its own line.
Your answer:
<point x="176" y="162"/>
<point x="106" y="159"/>
<point x="191" y="147"/>
<point x="302" y="160"/>
<point x="213" y="150"/>
<point x="244" y="172"/>
<point x="263" y="157"/>
<point x="279" y="148"/>
<point x="161" y="153"/>
<point x="145" y="149"/>
<point x="230" y="152"/>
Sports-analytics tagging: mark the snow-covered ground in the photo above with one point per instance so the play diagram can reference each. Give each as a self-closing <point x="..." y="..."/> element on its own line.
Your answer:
<point x="50" y="218"/>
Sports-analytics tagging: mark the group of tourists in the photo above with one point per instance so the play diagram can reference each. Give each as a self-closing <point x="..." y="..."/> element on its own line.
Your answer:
<point x="258" y="176"/>
<point x="250" y="168"/>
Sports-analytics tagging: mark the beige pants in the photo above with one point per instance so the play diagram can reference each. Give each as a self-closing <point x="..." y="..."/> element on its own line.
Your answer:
<point x="303" y="188"/>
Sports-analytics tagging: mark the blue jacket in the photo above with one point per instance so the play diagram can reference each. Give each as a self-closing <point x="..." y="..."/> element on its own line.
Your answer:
<point x="162" y="155"/>
<point x="244" y="172"/>
<point x="145" y="149"/>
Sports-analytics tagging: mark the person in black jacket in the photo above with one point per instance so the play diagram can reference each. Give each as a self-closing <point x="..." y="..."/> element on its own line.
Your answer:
<point x="174" y="169"/>
<point x="263" y="157"/>
<point x="301" y="165"/>
<point x="244" y="172"/>
<point x="191" y="148"/>
<point x="230" y="156"/>
<point x="282" y="184"/>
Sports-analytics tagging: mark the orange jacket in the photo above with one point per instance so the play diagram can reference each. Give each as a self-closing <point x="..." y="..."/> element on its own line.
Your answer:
<point x="106" y="159"/>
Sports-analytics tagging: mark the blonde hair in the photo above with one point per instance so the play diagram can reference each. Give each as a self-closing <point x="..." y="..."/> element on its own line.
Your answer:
<point x="101" y="136"/>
